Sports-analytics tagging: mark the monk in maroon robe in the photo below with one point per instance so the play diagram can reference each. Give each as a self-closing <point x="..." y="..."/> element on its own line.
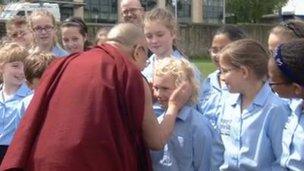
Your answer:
<point x="89" y="113"/>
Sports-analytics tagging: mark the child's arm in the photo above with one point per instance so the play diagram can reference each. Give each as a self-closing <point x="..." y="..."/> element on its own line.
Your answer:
<point x="155" y="134"/>
<point x="277" y="122"/>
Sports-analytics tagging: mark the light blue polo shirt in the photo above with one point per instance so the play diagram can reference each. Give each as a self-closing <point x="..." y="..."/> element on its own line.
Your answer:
<point x="252" y="139"/>
<point x="58" y="51"/>
<point x="293" y="138"/>
<point x="189" y="147"/>
<point x="12" y="111"/>
<point x="210" y="101"/>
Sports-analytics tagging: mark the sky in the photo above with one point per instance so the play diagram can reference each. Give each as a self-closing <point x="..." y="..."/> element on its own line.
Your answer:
<point x="294" y="6"/>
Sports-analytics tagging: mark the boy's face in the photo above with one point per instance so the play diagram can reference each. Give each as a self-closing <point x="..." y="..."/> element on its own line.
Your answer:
<point x="163" y="87"/>
<point x="21" y="35"/>
<point x="13" y="73"/>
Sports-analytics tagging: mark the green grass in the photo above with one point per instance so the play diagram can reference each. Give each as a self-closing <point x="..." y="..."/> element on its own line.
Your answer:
<point x="204" y="65"/>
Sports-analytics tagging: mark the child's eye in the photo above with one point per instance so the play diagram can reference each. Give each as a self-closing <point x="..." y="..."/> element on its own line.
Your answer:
<point x="75" y="39"/>
<point x="149" y="36"/>
<point x="65" y="40"/>
<point x="159" y="34"/>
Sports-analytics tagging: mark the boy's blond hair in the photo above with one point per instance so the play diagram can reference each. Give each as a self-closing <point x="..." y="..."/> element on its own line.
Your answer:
<point x="35" y="64"/>
<point x="12" y="52"/>
<point x="16" y="22"/>
<point x="181" y="70"/>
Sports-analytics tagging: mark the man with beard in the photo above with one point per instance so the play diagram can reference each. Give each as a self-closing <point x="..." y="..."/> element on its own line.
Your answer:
<point x="132" y="12"/>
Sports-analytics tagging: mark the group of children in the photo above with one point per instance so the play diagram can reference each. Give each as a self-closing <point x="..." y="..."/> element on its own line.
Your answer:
<point x="246" y="115"/>
<point x="16" y="66"/>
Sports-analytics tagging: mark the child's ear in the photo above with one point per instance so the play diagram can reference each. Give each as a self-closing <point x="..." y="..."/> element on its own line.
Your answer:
<point x="245" y="71"/>
<point x="297" y="89"/>
<point x="173" y="33"/>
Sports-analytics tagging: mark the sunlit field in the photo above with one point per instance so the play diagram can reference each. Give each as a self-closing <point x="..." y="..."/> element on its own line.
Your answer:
<point x="205" y="66"/>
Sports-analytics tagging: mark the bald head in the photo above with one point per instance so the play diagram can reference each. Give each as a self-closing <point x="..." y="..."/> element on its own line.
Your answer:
<point x="130" y="4"/>
<point x="130" y="39"/>
<point x="132" y="11"/>
<point x="126" y="34"/>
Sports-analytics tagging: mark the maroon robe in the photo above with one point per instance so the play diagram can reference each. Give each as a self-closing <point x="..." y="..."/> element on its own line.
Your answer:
<point x="86" y="115"/>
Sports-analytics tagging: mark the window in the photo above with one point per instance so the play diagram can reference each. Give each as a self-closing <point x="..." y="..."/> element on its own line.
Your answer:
<point x="183" y="9"/>
<point x="98" y="11"/>
<point x="148" y="4"/>
<point x="213" y="11"/>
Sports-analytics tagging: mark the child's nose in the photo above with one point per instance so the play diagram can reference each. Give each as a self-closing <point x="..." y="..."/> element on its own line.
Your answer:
<point x="154" y="39"/>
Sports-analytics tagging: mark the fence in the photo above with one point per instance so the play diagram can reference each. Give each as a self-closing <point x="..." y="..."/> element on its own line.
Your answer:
<point x="195" y="39"/>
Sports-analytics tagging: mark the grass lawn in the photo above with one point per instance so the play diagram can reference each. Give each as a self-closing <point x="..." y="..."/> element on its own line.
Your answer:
<point x="205" y="65"/>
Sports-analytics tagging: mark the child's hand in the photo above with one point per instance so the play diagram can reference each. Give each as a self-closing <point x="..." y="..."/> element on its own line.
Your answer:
<point x="180" y="96"/>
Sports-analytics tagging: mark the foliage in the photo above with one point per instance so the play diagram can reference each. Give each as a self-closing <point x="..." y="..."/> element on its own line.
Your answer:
<point x="251" y="11"/>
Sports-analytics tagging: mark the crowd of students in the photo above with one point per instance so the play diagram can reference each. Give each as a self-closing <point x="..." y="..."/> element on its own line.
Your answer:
<point x="246" y="115"/>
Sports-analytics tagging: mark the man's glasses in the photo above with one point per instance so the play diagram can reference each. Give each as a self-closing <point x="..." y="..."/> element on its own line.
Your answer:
<point x="130" y="10"/>
<point x="39" y="29"/>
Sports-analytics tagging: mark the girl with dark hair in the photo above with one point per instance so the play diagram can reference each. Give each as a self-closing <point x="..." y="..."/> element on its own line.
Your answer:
<point x="286" y="78"/>
<point x="74" y="33"/>
<point x="210" y="102"/>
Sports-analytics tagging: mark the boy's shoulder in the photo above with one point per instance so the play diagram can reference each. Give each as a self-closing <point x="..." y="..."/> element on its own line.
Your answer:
<point x="24" y="91"/>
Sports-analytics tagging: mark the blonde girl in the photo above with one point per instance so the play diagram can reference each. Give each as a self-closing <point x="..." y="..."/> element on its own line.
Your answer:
<point x="43" y="25"/>
<point x="189" y="145"/>
<point x="160" y="28"/>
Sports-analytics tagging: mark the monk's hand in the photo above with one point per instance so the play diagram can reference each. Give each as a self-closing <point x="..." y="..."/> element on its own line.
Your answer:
<point x="180" y="96"/>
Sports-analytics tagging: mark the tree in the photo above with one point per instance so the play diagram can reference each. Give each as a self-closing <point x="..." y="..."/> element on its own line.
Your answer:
<point x="251" y="11"/>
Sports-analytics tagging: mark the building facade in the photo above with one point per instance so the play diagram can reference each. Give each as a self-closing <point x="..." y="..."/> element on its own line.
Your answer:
<point x="107" y="11"/>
